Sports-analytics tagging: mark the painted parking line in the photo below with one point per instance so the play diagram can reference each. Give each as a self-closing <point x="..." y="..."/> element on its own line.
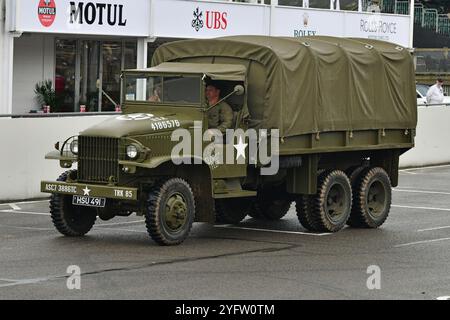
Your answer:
<point x="24" y="202"/>
<point x="421" y="191"/>
<point x="15" y="206"/>
<point x="407" y="172"/>
<point x="443" y="298"/>
<point x="99" y="227"/>
<point x="435" y="228"/>
<point x="421" y="242"/>
<point x="425" y="168"/>
<point x="25" y="228"/>
<point x="275" y="231"/>
<point x="120" y="223"/>
<point x="26" y="212"/>
<point x="421" y="208"/>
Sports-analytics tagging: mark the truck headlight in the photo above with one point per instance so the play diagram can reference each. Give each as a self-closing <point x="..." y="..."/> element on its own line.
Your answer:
<point x="132" y="151"/>
<point x="74" y="146"/>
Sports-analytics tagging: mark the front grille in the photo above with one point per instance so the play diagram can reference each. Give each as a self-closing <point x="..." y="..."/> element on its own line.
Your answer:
<point x="98" y="159"/>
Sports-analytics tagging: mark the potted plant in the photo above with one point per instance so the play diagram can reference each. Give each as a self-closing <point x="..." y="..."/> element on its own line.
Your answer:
<point x="45" y="94"/>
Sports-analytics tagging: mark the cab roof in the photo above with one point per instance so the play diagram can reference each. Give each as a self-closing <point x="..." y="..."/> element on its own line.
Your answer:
<point x="231" y="72"/>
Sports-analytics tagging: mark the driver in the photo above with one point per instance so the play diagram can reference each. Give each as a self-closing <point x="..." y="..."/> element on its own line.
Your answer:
<point x="221" y="116"/>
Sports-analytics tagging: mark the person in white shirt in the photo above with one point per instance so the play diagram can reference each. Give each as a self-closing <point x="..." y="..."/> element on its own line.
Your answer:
<point x="435" y="94"/>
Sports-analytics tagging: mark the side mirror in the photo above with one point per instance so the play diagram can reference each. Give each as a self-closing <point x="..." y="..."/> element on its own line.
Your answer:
<point x="239" y="90"/>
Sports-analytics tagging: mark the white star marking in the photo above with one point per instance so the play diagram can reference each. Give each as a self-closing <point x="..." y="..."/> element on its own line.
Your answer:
<point x="86" y="191"/>
<point x="240" y="147"/>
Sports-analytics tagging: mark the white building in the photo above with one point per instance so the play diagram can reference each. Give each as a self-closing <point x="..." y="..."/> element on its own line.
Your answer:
<point x="82" y="46"/>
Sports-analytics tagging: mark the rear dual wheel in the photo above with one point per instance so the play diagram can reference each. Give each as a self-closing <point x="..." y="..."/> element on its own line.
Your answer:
<point x="372" y="197"/>
<point x="331" y="205"/>
<point x="362" y="199"/>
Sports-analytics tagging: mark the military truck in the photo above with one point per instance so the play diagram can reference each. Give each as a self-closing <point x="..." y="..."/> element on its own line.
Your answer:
<point x="344" y="109"/>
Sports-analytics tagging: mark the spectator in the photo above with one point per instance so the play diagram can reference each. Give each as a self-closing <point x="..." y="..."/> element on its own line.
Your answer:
<point x="435" y="94"/>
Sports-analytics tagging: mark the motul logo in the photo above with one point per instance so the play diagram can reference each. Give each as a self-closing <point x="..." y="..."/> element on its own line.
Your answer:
<point x="97" y="13"/>
<point x="214" y="20"/>
<point x="47" y="12"/>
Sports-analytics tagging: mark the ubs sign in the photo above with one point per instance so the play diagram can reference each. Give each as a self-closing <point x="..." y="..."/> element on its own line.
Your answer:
<point x="214" y="20"/>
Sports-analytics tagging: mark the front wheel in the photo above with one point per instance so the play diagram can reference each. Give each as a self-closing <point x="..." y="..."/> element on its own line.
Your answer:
<point x="70" y="220"/>
<point x="170" y="212"/>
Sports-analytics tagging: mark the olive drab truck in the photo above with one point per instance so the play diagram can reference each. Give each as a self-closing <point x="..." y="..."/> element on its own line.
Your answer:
<point x="333" y="114"/>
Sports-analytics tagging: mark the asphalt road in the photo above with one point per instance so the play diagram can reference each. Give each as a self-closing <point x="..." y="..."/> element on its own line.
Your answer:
<point x="282" y="261"/>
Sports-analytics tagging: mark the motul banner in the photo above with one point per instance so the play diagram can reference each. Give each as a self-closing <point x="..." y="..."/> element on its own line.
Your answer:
<point x="103" y="17"/>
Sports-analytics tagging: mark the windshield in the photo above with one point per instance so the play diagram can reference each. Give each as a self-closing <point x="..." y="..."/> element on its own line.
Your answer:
<point x="162" y="89"/>
<point x="423" y="89"/>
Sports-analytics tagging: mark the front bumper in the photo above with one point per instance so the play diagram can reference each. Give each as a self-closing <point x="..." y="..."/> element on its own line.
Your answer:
<point x="109" y="192"/>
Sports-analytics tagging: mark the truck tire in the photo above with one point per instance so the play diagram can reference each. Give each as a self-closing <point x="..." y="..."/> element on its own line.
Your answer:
<point x="170" y="212"/>
<point x="331" y="205"/>
<point x="372" y="198"/>
<point x="233" y="210"/>
<point x="270" y="204"/>
<point x="354" y="173"/>
<point x="274" y="210"/>
<point x="304" y="212"/>
<point x="70" y="220"/>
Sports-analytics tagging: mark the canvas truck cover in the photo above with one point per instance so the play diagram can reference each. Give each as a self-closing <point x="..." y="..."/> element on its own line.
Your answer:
<point x="313" y="84"/>
<point x="214" y="71"/>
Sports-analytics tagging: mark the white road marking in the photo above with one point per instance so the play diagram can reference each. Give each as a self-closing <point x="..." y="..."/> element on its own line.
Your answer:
<point x="27" y="281"/>
<point x="119" y="223"/>
<point x="421" y="208"/>
<point x="407" y="172"/>
<point x="424" y="168"/>
<point x="26" y="212"/>
<point x="118" y="229"/>
<point x="23" y="202"/>
<point x="436" y="228"/>
<point x="25" y="228"/>
<point x="14" y="206"/>
<point x="421" y="191"/>
<point x="275" y="231"/>
<point x="443" y="298"/>
<point x="421" y="242"/>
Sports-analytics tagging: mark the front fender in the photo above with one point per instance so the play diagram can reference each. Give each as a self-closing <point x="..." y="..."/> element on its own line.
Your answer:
<point x="199" y="177"/>
<point x="155" y="162"/>
<point x="56" y="155"/>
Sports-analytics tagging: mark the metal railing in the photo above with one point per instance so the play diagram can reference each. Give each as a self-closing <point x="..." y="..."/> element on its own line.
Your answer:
<point x="431" y="19"/>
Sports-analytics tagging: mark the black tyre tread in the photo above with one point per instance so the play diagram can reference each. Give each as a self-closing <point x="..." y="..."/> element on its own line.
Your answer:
<point x="303" y="205"/>
<point x="57" y="214"/>
<point x="268" y="207"/>
<point x="255" y="211"/>
<point x="359" y="218"/>
<point x="354" y="173"/>
<point x="318" y="217"/>
<point x="152" y="222"/>
<point x="275" y="211"/>
<point x="229" y="211"/>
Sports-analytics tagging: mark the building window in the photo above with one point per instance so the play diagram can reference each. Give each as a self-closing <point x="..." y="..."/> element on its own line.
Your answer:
<point x="65" y="75"/>
<point x="88" y="73"/>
